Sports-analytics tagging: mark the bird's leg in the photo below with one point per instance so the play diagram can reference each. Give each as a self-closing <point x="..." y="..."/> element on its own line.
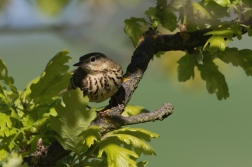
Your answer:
<point x="119" y="101"/>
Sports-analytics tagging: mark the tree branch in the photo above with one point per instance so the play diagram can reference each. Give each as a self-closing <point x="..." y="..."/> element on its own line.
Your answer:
<point x="160" y="114"/>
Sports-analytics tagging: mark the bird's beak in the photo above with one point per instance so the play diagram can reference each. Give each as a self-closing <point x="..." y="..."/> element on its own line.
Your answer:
<point x="78" y="64"/>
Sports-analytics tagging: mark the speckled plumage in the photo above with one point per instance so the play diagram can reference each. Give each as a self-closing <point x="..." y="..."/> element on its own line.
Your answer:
<point x="98" y="76"/>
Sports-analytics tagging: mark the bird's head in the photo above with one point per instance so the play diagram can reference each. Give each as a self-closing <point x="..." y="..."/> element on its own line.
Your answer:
<point x="93" y="62"/>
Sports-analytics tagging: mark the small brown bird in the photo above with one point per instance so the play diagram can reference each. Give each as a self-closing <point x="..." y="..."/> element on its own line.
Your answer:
<point x="98" y="76"/>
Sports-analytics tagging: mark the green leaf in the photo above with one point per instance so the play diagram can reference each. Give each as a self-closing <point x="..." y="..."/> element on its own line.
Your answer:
<point x="178" y="3"/>
<point x="3" y="98"/>
<point x="186" y="67"/>
<point x="219" y="8"/>
<point x="95" y="163"/>
<point x="53" y="79"/>
<point x="247" y="13"/>
<point x="159" y="54"/>
<point x="242" y="58"/>
<point x="222" y="35"/>
<point x="91" y="135"/>
<point x="7" y="80"/>
<point x="199" y="56"/>
<point x="218" y="40"/>
<point x="161" y="3"/>
<point x="40" y="113"/>
<point x="164" y="16"/>
<point x="222" y="3"/>
<point x="133" y="28"/>
<point x="72" y="120"/>
<point x="3" y="155"/>
<point x="14" y="160"/>
<point x="132" y="139"/>
<point x="137" y="132"/>
<point x="133" y="110"/>
<point x="117" y="156"/>
<point x="200" y="11"/>
<point x="215" y="81"/>
<point x="249" y="31"/>
<point x="11" y="144"/>
<point x="6" y="128"/>
<point x="139" y="145"/>
<point x="236" y="30"/>
<point x="235" y="2"/>
<point x="142" y="163"/>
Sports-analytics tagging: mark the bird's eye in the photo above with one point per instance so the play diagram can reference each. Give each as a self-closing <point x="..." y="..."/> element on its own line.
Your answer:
<point x="92" y="59"/>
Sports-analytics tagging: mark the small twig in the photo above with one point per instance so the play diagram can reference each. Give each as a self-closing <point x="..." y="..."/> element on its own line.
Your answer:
<point x="159" y="114"/>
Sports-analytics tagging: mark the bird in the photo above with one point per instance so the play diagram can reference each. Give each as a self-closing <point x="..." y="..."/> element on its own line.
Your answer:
<point x="97" y="76"/>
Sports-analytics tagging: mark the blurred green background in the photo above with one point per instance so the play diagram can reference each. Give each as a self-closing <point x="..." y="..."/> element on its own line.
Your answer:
<point x="202" y="131"/>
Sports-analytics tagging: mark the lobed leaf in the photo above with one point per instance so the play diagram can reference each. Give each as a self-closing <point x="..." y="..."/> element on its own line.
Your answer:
<point x="137" y="132"/>
<point x="186" y="67"/>
<point x="91" y="135"/>
<point x="215" y="81"/>
<point x="6" y="79"/>
<point x="216" y="43"/>
<point x="200" y="11"/>
<point x="117" y="156"/>
<point x="72" y="119"/>
<point x="118" y="145"/>
<point x="6" y="100"/>
<point x="6" y="128"/>
<point x="218" y="8"/>
<point x="178" y="3"/>
<point x="133" y="28"/>
<point x="242" y="58"/>
<point x="5" y="103"/>
<point x="222" y="35"/>
<point x="164" y="16"/>
<point x="133" y="142"/>
<point x="52" y="80"/>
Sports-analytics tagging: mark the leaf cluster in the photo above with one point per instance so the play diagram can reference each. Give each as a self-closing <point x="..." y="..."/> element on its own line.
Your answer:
<point x="189" y="16"/>
<point x="117" y="148"/>
<point x="37" y="114"/>
<point x="24" y="115"/>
